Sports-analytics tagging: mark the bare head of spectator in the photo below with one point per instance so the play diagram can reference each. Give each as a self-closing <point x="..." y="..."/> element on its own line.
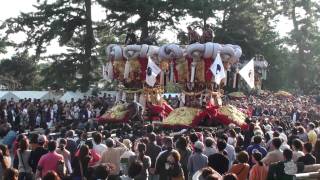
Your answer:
<point x="10" y="174"/>
<point x="307" y="147"/>
<point x="287" y="154"/>
<point x="51" y="175"/>
<point x="97" y="138"/>
<point x="52" y="145"/>
<point x="297" y="145"/>
<point x="276" y="142"/>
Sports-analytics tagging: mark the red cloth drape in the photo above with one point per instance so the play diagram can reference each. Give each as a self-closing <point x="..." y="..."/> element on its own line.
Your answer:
<point x="143" y="67"/>
<point x="208" y="74"/>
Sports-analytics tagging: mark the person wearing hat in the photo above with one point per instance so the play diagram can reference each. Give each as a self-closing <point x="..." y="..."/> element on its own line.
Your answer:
<point x="124" y="158"/>
<point x="112" y="155"/>
<point x="38" y="152"/>
<point x="197" y="160"/>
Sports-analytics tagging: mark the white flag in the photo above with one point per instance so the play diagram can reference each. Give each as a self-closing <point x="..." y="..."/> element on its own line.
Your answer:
<point x="104" y="73"/>
<point x="152" y="72"/>
<point x="217" y="69"/>
<point x="247" y="73"/>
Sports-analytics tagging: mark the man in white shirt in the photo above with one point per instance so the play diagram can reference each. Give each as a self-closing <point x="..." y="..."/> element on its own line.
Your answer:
<point x="97" y="146"/>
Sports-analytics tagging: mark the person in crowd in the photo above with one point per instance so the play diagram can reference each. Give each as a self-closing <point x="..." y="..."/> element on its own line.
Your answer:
<point x="130" y="37"/>
<point x="153" y="151"/>
<point x="312" y="135"/>
<point x="51" y="175"/>
<point x="231" y="152"/>
<point x="210" y="147"/>
<point x="207" y="34"/>
<point x="5" y="159"/>
<point x="258" y="171"/>
<point x="66" y="154"/>
<point x="308" y="158"/>
<point x="232" y="138"/>
<point x="97" y="145"/>
<point x="9" y="138"/>
<point x="274" y="155"/>
<point x="193" y="36"/>
<point x="242" y="168"/>
<point x="197" y="160"/>
<point x="209" y="173"/>
<point x="284" y="169"/>
<point x="80" y="163"/>
<point x="256" y="146"/>
<point x="112" y="155"/>
<point x="10" y="174"/>
<point x="174" y="167"/>
<point x="297" y="147"/>
<point x="293" y="136"/>
<point x="303" y="136"/>
<point x="146" y="162"/>
<point x="38" y="151"/>
<point x="71" y="143"/>
<point x="316" y="151"/>
<point x="160" y="167"/>
<point x="230" y="176"/>
<point x="185" y="153"/>
<point x="219" y="161"/>
<point x="124" y="158"/>
<point x="23" y="155"/>
<point x="50" y="161"/>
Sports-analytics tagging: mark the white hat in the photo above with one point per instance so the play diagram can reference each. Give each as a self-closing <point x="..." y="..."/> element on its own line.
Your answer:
<point x="199" y="145"/>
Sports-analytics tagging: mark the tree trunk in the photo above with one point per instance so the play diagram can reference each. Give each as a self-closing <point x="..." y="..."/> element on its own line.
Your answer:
<point x="88" y="44"/>
<point x="144" y="30"/>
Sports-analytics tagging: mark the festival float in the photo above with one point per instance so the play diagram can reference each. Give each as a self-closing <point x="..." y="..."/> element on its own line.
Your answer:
<point x="170" y="66"/>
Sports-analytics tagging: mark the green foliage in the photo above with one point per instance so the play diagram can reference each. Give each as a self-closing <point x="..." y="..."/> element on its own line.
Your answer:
<point x="152" y="15"/>
<point x="19" y="72"/>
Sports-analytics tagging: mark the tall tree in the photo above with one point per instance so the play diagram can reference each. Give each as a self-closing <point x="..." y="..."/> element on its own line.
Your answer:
<point x="152" y="15"/>
<point x="305" y="38"/>
<point x="202" y="9"/>
<point x="69" y="21"/>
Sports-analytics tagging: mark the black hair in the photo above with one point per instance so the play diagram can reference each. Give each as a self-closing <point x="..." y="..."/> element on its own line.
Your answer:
<point x="287" y="154"/>
<point x="307" y="147"/>
<point x="52" y="145"/>
<point x="221" y="145"/>
<point x="257" y="139"/>
<point x="276" y="142"/>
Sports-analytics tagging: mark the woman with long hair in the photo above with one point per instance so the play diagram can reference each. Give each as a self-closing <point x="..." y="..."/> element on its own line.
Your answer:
<point x="185" y="152"/>
<point x="80" y="163"/>
<point x="258" y="171"/>
<point x="142" y="158"/>
<point x="5" y="160"/>
<point x="173" y="166"/>
<point x="23" y="155"/>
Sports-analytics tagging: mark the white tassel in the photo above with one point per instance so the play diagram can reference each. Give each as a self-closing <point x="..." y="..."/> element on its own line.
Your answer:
<point x="127" y="69"/>
<point x="110" y="71"/>
<point x="142" y="100"/>
<point x="118" y="96"/>
<point x="124" y="97"/>
<point x="162" y="78"/>
<point x="183" y="100"/>
<point x="193" y="71"/>
<point x="171" y="72"/>
<point x="135" y="97"/>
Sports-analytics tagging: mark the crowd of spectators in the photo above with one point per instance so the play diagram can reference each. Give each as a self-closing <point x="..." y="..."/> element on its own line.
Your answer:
<point x="281" y="141"/>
